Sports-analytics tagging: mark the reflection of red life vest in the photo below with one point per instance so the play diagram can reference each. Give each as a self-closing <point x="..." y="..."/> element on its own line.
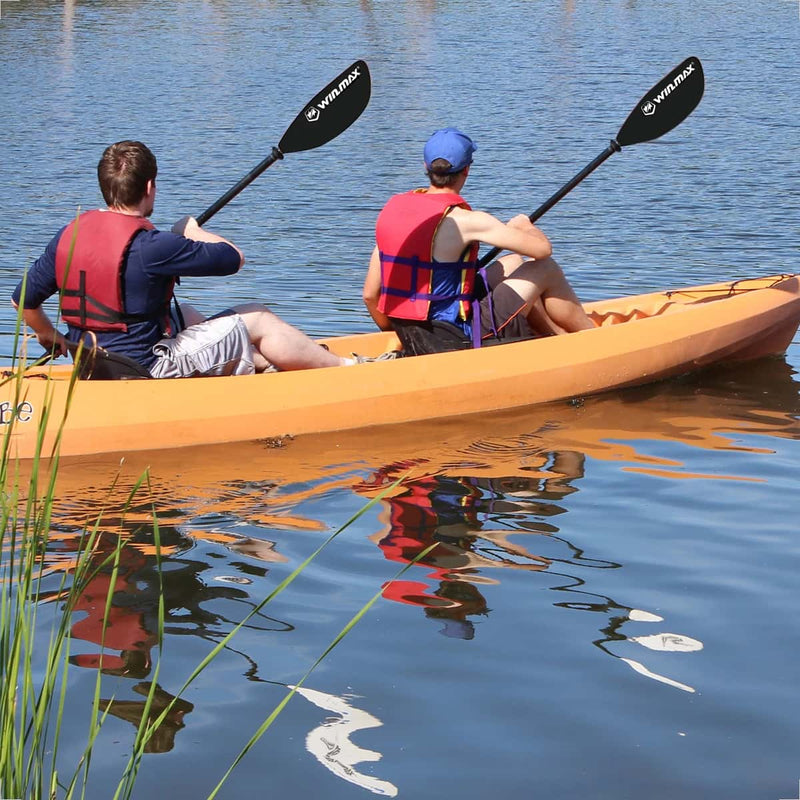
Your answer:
<point x="123" y="628"/>
<point x="89" y="273"/>
<point x="405" y="231"/>
<point x="413" y="521"/>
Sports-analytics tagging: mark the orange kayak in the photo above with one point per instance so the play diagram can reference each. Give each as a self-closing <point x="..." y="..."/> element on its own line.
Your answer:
<point x="637" y="340"/>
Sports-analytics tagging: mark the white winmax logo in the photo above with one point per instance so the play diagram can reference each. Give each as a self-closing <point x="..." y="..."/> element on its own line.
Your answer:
<point x="313" y="112"/>
<point x="649" y="108"/>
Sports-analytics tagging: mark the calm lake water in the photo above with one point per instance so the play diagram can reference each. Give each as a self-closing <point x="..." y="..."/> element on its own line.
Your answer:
<point x="611" y="609"/>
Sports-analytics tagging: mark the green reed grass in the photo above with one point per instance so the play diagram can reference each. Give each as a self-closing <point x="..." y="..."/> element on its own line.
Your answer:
<point x="31" y="700"/>
<point x="35" y="623"/>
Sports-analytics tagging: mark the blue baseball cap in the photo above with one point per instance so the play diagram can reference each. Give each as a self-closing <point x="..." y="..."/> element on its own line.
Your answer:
<point x="451" y="145"/>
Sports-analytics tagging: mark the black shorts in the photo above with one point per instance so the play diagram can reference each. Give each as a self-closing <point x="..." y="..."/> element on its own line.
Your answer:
<point x="503" y="315"/>
<point x="502" y="320"/>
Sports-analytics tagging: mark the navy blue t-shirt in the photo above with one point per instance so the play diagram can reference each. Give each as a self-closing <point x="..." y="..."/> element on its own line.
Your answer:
<point x="154" y="259"/>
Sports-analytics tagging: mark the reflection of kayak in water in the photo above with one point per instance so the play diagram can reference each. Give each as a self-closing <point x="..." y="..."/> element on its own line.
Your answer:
<point x="735" y="408"/>
<point x="638" y="340"/>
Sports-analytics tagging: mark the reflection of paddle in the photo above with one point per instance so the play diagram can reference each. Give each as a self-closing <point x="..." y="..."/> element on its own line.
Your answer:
<point x="661" y="109"/>
<point x="328" y="114"/>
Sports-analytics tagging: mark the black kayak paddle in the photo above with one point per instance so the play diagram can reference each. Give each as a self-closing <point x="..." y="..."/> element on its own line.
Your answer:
<point x="328" y="114"/>
<point x="661" y="109"/>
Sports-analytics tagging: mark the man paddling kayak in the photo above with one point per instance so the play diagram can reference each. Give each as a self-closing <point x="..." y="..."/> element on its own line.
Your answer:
<point x="116" y="274"/>
<point x="423" y="274"/>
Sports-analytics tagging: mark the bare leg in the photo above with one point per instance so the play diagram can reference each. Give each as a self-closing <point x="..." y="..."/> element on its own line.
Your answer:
<point x="540" y="322"/>
<point x="276" y="342"/>
<point x="552" y="305"/>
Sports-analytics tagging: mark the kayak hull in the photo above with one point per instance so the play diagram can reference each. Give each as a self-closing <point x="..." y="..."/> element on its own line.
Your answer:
<point x="638" y="340"/>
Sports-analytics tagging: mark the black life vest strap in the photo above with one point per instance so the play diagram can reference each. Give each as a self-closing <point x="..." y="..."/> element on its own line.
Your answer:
<point x="105" y="313"/>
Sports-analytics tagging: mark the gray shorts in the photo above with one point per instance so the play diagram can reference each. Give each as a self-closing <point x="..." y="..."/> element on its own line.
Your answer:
<point x="218" y="346"/>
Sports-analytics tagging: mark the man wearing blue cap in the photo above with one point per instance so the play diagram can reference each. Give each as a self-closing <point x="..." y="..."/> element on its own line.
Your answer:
<point x="423" y="277"/>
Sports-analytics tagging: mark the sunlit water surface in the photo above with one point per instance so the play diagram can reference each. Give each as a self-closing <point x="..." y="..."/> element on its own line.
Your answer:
<point x="609" y="611"/>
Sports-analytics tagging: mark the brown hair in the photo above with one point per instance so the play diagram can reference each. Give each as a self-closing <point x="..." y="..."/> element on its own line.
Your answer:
<point x="123" y="172"/>
<point x="439" y="174"/>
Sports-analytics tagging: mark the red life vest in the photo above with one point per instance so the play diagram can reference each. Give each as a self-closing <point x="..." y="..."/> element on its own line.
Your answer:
<point x="405" y="231"/>
<point x="94" y="246"/>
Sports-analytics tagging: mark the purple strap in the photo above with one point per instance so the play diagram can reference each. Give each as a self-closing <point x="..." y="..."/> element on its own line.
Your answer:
<point x="476" y="312"/>
<point x="476" y="323"/>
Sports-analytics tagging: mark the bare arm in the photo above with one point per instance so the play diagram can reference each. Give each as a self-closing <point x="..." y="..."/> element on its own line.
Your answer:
<point x="519" y="235"/>
<point x="188" y="227"/>
<point x="46" y="333"/>
<point x="372" y="292"/>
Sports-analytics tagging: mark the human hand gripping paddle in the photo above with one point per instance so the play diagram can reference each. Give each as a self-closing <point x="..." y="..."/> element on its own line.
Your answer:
<point x="661" y="109"/>
<point x="328" y="114"/>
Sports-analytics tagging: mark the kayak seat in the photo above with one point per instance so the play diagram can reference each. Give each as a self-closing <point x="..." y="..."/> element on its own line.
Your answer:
<point x="437" y="336"/>
<point x="98" y="364"/>
<point x="422" y="338"/>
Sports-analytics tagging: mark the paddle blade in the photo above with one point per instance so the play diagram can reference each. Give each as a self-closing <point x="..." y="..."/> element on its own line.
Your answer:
<point x="666" y="105"/>
<point x="332" y="111"/>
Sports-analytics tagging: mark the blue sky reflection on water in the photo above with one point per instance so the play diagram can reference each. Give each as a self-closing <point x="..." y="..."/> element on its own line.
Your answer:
<point x="595" y="562"/>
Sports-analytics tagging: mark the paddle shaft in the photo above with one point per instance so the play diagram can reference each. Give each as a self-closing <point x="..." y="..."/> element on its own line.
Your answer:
<point x="663" y="107"/>
<point x="614" y="147"/>
<point x="274" y="156"/>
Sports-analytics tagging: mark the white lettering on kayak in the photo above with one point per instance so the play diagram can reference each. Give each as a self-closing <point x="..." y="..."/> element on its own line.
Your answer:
<point x="649" y="107"/>
<point x="9" y="412"/>
<point x="313" y="112"/>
